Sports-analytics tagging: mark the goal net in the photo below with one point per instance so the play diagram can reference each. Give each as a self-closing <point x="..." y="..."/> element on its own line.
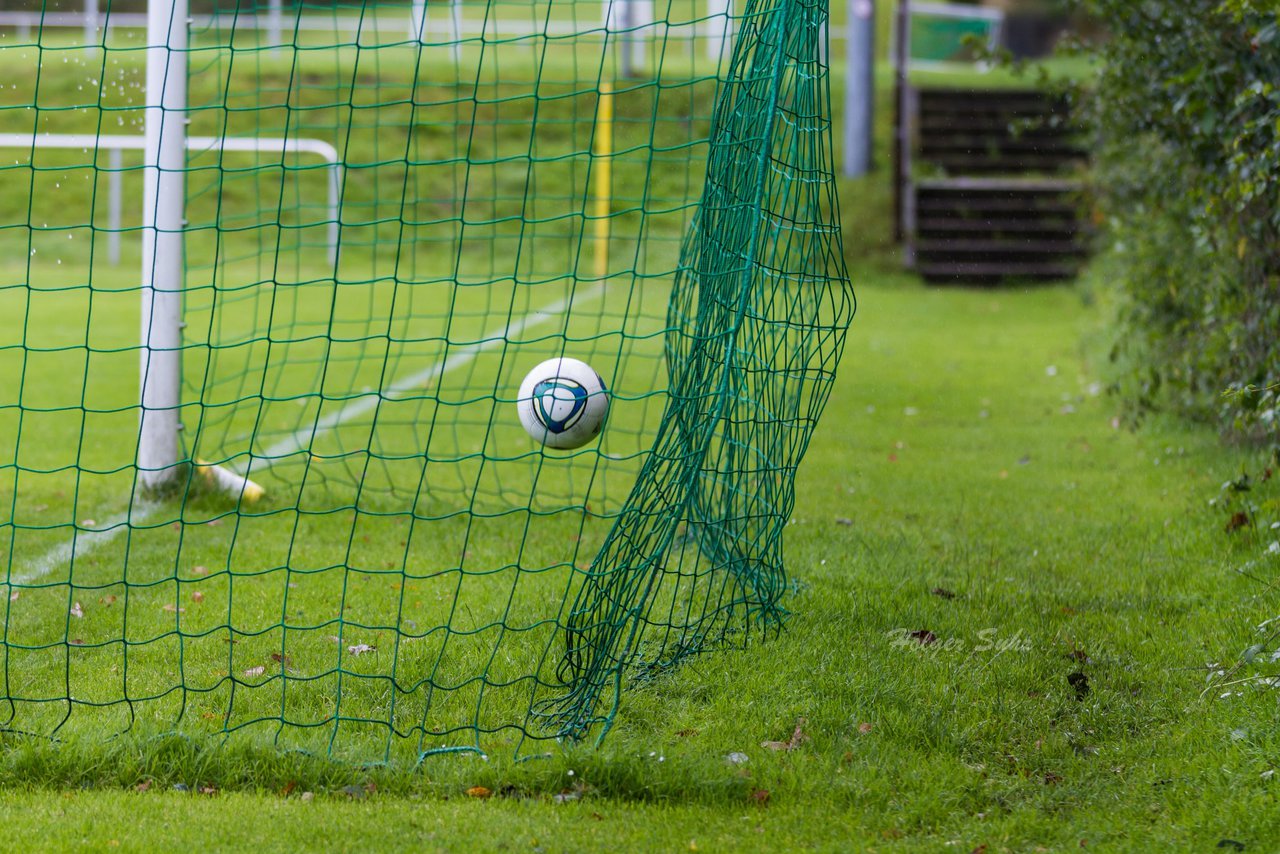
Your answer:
<point x="300" y="504"/>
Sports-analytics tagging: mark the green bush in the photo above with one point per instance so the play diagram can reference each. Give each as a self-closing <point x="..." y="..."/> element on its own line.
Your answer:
<point x="1187" y="112"/>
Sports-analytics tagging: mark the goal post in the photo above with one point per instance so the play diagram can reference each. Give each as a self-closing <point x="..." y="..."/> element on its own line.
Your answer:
<point x="511" y="187"/>
<point x="163" y="223"/>
<point x="161" y="463"/>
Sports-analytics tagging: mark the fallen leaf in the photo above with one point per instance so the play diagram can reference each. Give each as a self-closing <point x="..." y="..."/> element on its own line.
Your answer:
<point x="143" y="786"/>
<point x="197" y="596"/>
<point x="77" y="611"/>
<point x="288" y="788"/>
<point x="255" y="671"/>
<point x="107" y="600"/>
<point x="759" y="797"/>
<point x="173" y="609"/>
<point x="943" y="593"/>
<point x="1051" y="778"/>
<point x="199" y="570"/>
<point x="13" y="597"/>
<point x="77" y="642"/>
<point x="797" y="738"/>
<point x="207" y="790"/>
<point x="864" y="728"/>
<point x="361" y="649"/>
<point x="478" y="792"/>
<point x="307" y="797"/>
<point x="282" y="659"/>
<point x="1238" y="521"/>
<point x="686" y="733"/>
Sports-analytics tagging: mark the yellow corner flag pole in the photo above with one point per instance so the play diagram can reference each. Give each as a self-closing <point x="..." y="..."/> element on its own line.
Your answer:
<point x="603" y="168"/>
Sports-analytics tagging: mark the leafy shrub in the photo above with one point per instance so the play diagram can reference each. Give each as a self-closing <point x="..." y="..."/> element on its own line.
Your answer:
<point x="1186" y="107"/>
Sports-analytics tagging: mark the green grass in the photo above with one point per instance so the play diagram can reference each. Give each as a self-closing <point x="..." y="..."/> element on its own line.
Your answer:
<point x="967" y="481"/>
<point x="1075" y="546"/>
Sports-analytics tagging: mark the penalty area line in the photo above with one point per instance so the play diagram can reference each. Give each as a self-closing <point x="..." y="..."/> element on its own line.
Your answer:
<point x="84" y="542"/>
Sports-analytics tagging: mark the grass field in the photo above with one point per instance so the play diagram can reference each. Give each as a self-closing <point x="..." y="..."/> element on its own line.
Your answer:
<point x="1005" y="610"/>
<point x="961" y="463"/>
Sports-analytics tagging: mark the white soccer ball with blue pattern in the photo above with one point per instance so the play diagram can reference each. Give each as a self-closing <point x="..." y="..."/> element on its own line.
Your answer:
<point x="563" y="403"/>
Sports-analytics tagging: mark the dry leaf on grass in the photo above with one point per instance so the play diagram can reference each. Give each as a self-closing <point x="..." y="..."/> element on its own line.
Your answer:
<point x="797" y="738"/>
<point x="478" y="792"/>
<point x="77" y="611"/>
<point x="255" y="671"/>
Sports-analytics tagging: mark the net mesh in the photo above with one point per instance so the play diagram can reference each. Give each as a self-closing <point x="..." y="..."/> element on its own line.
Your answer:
<point x="391" y="214"/>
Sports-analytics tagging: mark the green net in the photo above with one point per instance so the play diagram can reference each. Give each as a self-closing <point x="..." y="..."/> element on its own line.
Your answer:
<point x="386" y="216"/>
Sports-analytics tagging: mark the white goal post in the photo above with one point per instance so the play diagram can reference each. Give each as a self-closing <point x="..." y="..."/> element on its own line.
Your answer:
<point x="256" y="144"/>
<point x="163" y="221"/>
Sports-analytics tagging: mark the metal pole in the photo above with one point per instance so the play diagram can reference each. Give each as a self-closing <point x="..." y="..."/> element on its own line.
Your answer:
<point x="418" y="23"/>
<point x="113" y="205"/>
<point x="639" y="17"/>
<point x="624" y="25"/>
<point x="163" y="222"/>
<point x="859" y="90"/>
<point x="719" y="28"/>
<point x="455" y="22"/>
<point x="902" y="59"/>
<point x="335" y="212"/>
<point x="90" y="22"/>
<point x="274" y="25"/>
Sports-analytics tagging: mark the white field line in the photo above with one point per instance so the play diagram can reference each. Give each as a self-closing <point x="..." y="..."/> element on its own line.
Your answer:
<point x="84" y="542"/>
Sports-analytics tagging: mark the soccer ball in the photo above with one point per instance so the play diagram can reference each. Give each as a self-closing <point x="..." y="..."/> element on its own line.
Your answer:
<point x="563" y="403"/>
